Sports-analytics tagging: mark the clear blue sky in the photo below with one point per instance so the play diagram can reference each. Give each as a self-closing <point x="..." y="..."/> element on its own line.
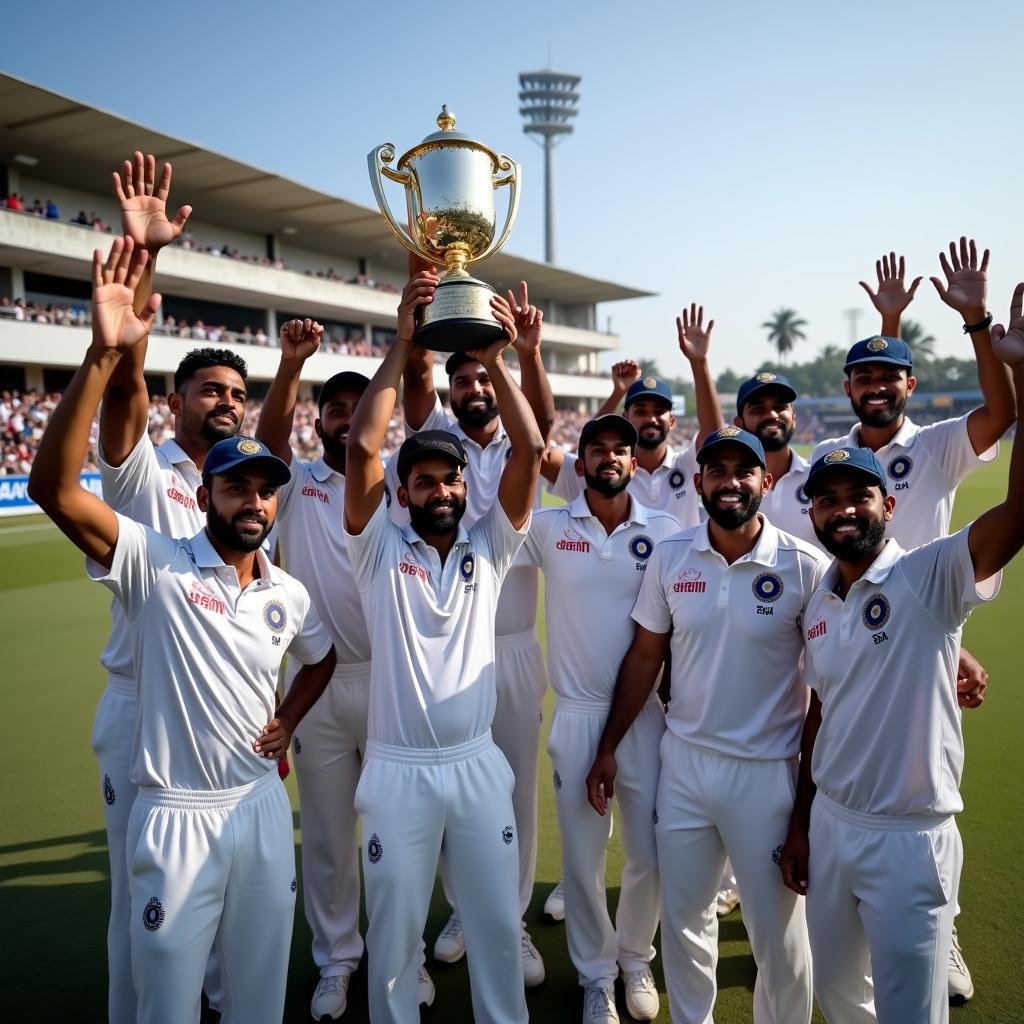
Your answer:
<point x="747" y="155"/>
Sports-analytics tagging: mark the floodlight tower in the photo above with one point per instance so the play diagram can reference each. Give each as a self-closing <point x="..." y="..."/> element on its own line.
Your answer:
<point x="548" y="101"/>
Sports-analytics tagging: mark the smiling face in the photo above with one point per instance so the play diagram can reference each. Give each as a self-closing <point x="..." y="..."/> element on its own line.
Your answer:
<point x="472" y="396"/>
<point x="849" y="513"/>
<point x="435" y="495"/>
<point x="210" y="405"/>
<point x="878" y="392"/>
<point x="731" y="484"/>
<point x="769" y="415"/>
<point x="606" y="463"/>
<point x="333" y="423"/>
<point x="653" y="419"/>
<point x="240" y="508"/>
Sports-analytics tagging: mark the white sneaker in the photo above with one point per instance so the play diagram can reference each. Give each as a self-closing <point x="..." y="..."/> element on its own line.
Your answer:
<point x="726" y="901"/>
<point x="641" y="994"/>
<point x="554" y="905"/>
<point x="961" y="987"/>
<point x="533" y="965"/>
<point x="450" y="947"/>
<point x="599" y="1005"/>
<point x="330" y="997"/>
<point x="424" y="988"/>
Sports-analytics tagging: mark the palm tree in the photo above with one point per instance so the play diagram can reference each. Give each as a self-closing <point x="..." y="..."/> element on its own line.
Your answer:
<point x="922" y="344"/>
<point x="785" y="329"/>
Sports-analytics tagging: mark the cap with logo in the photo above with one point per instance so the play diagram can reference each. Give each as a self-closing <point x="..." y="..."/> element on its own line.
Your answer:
<point x="347" y="380"/>
<point x="762" y="382"/>
<point x="730" y="435"/>
<point x="236" y="452"/>
<point x="860" y="460"/>
<point x="605" y="424"/>
<point x="427" y="443"/>
<point x="648" y="387"/>
<point x="880" y="350"/>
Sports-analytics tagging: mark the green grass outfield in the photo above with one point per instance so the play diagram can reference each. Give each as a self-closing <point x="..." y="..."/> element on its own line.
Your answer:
<point x="53" y="863"/>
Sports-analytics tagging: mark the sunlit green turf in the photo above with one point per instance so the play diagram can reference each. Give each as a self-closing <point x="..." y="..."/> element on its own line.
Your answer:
<point x="53" y="864"/>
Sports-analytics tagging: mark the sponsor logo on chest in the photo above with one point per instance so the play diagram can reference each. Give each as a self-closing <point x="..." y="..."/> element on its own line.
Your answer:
<point x="407" y="568"/>
<point x="178" y="490"/>
<point x="202" y="597"/>
<point x="820" y="628"/>
<point x="572" y="540"/>
<point x="690" y="581"/>
<point x="309" y="491"/>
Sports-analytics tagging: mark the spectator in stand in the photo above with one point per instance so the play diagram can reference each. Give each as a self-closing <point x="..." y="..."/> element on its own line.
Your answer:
<point x="82" y="219"/>
<point x="14" y="203"/>
<point x="38" y="209"/>
<point x="52" y="210"/>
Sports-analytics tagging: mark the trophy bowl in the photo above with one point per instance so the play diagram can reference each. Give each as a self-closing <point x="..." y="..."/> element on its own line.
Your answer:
<point x="449" y="182"/>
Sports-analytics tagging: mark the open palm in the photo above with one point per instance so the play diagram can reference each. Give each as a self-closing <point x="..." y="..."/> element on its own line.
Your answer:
<point x="966" y="286"/>
<point x="115" y="324"/>
<point x="694" y="337"/>
<point x="143" y="203"/>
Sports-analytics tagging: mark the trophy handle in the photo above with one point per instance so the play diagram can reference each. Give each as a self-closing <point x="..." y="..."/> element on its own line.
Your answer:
<point x="511" y="179"/>
<point x="378" y="160"/>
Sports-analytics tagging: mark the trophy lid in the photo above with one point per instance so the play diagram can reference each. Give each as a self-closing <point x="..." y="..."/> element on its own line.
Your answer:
<point x="446" y="137"/>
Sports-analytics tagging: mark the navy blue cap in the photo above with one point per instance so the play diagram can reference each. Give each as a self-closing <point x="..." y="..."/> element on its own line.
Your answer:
<point x="648" y="387"/>
<point x="860" y="459"/>
<point x="612" y="422"/>
<point x="453" y="362"/>
<point x="233" y="452"/>
<point x="763" y="380"/>
<point x="730" y="435"/>
<point x="347" y="380"/>
<point x="425" y="443"/>
<point x="880" y="350"/>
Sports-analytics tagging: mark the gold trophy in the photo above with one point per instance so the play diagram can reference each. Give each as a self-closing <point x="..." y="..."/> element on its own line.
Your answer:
<point x="449" y="182"/>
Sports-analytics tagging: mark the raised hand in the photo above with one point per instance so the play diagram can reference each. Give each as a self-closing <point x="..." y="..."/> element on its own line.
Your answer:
<point x="893" y="296"/>
<point x="694" y="337"/>
<point x="115" y="324"/>
<point x="1008" y="343"/>
<point x="502" y="312"/>
<point x="529" y="320"/>
<point x="625" y="374"/>
<point x="966" y="287"/>
<point x="300" y="338"/>
<point x="419" y="291"/>
<point x="144" y="204"/>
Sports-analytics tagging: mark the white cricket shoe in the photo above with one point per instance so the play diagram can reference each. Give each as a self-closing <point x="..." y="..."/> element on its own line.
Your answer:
<point x="554" y="905"/>
<point x="424" y="988"/>
<point x="533" y="965"/>
<point x="961" y="987"/>
<point x="599" y="1005"/>
<point x="450" y="946"/>
<point x="330" y="997"/>
<point x="726" y="901"/>
<point x="641" y="994"/>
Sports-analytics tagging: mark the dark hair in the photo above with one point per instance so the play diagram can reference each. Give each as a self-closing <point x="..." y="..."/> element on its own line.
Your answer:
<point x="202" y="359"/>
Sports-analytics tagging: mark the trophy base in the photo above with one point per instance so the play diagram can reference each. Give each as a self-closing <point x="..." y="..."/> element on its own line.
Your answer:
<point x="459" y="319"/>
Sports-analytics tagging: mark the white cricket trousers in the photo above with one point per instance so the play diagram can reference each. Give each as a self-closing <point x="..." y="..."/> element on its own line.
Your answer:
<point x="211" y="865"/>
<point x="410" y="802"/>
<point x="521" y="681"/>
<point x="711" y="806"/>
<point x="881" y="898"/>
<point x="328" y="748"/>
<point x="596" y="948"/>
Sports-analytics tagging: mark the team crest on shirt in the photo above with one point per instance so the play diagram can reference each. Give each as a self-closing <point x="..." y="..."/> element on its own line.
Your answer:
<point x="677" y="480"/>
<point x="374" y="849"/>
<point x="641" y="547"/>
<point x="466" y="566"/>
<point x="876" y="611"/>
<point x="153" y="914"/>
<point x="900" y="467"/>
<point x="275" y="616"/>
<point x="801" y="496"/>
<point x="507" y="835"/>
<point x="108" y="791"/>
<point x="768" y="587"/>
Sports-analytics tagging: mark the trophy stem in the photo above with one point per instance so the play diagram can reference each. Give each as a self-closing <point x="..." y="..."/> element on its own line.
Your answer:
<point x="455" y="259"/>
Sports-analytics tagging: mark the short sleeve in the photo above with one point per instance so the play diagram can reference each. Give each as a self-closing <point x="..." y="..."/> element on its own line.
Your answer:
<point x="141" y="555"/>
<point x="287" y="491"/>
<point x="122" y="484"/>
<point x="651" y="609"/>
<point x="438" y="419"/>
<point x="941" y="576"/>
<point x="568" y="485"/>
<point x="499" y="537"/>
<point x="312" y="642"/>
<point x="686" y="463"/>
<point x="531" y="554"/>
<point x="399" y="513"/>
<point x="949" y="444"/>
<point x="367" y="549"/>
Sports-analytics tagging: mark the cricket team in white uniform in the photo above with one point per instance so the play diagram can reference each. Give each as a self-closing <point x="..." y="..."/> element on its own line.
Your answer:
<point x="417" y="702"/>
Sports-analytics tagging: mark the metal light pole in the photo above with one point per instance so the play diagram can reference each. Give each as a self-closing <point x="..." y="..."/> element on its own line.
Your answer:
<point x="548" y="101"/>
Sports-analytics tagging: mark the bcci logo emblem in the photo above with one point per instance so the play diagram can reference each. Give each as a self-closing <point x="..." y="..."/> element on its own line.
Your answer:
<point x="765" y="378"/>
<point x="374" y="849"/>
<point x="650" y="382"/>
<point x="768" y="587"/>
<point x="839" y="455"/>
<point x="274" y="616"/>
<point x="466" y="567"/>
<point x="641" y="548"/>
<point x="900" y="467"/>
<point x="153" y="915"/>
<point x="877" y="345"/>
<point x="676" y="479"/>
<point x="728" y="431"/>
<point x="876" y="612"/>
<point x="506" y="835"/>
<point x="108" y="791"/>
<point x="801" y="496"/>
<point x="249" y="447"/>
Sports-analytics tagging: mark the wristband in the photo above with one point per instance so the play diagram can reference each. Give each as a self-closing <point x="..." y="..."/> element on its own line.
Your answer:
<point x="981" y="325"/>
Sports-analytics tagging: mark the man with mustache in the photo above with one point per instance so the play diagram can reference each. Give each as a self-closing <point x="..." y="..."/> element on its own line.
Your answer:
<point x="209" y="841"/>
<point x="925" y="465"/>
<point x="873" y="841"/>
<point x="593" y="553"/>
<point x="432" y="772"/>
<point x="729" y="597"/>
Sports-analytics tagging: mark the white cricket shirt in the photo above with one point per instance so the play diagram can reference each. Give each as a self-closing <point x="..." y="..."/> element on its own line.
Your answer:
<point x="884" y="664"/>
<point x="207" y="655"/>
<point x="787" y="507"/>
<point x="924" y="466"/>
<point x="591" y="581"/>
<point x="737" y="639"/>
<point x="432" y="681"/>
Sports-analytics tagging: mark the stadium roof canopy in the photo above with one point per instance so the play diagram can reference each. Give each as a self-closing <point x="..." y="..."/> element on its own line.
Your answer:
<point x="73" y="142"/>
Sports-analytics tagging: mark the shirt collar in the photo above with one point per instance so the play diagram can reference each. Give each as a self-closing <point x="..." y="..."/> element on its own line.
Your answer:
<point x="797" y="463"/>
<point x="764" y="552"/>
<point x="579" y="509"/>
<point x="205" y="556"/>
<point x="462" y="537"/>
<point x="499" y="435"/>
<point x="320" y="470"/>
<point x="176" y="454"/>
<point x="903" y="437"/>
<point x="877" y="572"/>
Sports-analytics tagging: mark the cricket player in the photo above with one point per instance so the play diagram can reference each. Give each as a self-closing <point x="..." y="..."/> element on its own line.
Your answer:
<point x="730" y="596"/>
<point x="593" y="553"/>
<point x="520" y="675"/>
<point x="210" y="841"/>
<point x="873" y="841"/>
<point x="432" y="772"/>
<point x="925" y="465"/>
<point x="331" y="742"/>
